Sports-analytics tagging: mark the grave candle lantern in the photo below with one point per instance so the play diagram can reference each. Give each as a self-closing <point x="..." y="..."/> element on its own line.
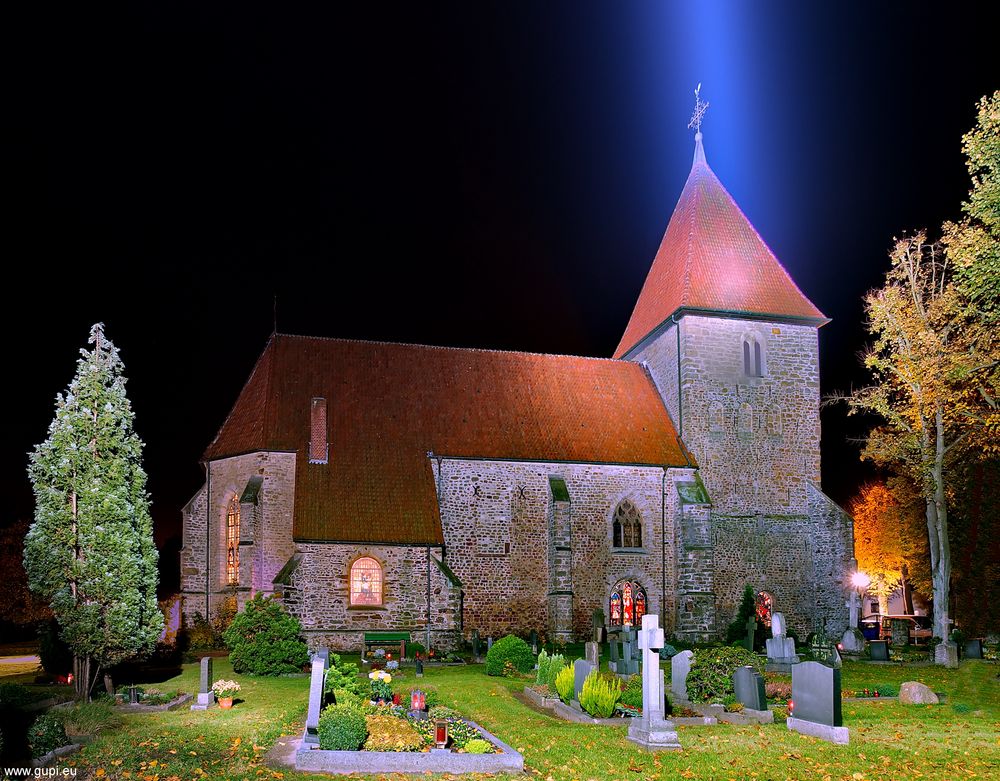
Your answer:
<point x="441" y="733"/>
<point x="417" y="700"/>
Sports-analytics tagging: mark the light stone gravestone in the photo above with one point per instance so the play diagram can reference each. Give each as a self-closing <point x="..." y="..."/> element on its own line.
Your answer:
<point x="317" y="683"/>
<point x="652" y="731"/>
<point x="680" y="666"/>
<point x="947" y="654"/>
<point x="780" y="649"/>
<point x="581" y="669"/>
<point x="613" y="652"/>
<point x="628" y="665"/>
<point x="816" y="694"/>
<point x="749" y="688"/>
<point x="852" y="640"/>
<point x="592" y="652"/>
<point x="597" y="622"/>
<point x="205" y="695"/>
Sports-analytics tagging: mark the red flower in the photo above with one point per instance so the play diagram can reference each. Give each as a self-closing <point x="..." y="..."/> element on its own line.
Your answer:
<point x="395" y="699"/>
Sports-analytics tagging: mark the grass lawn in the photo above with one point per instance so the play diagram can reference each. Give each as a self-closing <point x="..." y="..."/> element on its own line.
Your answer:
<point x="959" y="739"/>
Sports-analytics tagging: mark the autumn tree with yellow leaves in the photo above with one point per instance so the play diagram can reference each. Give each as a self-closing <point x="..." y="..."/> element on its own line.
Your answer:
<point x="878" y="545"/>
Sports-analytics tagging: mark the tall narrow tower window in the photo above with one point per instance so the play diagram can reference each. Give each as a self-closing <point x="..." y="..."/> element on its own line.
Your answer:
<point x="318" y="447"/>
<point x="753" y="357"/>
<point x="233" y="542"/>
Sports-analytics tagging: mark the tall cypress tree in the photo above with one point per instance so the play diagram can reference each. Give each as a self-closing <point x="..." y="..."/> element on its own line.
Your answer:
<point x="90" y="550"/>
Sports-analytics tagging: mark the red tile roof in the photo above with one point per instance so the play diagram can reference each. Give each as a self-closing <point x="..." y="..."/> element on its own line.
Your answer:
<point x="711" y="258"/>
<point x="388" y="405"/>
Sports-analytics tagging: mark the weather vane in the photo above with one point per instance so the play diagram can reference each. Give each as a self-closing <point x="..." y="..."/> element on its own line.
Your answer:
<point x="700" y="107"/>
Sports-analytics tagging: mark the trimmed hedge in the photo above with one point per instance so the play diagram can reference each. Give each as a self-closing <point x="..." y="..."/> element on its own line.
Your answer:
<point x="711" y="676"/>
<point x="509" y="649"/>
<point x="264" y="639"/>
<point x="342" y="728"/>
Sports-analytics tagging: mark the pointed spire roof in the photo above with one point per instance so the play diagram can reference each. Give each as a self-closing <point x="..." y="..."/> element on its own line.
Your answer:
<point x="712" y="260"/>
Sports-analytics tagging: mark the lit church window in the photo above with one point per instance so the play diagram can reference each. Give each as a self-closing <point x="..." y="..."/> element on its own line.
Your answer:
<point x="366" y="582"/>
<point x="627" y="604"/>
<point x="233" y="542"/>
<point x="627" y="526"/>
<point x="765" y="605"/>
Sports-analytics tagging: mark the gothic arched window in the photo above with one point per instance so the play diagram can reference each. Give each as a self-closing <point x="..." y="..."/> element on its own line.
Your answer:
<point x="366" y="582"/>
<point x="233" y="541"/>
<point x="753" y="357"/>
<point x="626" y="529"/>
<point x="627" y="605"/>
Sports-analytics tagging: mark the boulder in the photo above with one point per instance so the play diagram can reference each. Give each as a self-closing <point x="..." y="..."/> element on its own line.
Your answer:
<point x="914" y="693"/>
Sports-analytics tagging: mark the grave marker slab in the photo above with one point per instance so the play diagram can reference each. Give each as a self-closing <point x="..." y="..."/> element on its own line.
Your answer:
<point x="597" y="623"/>
<point x="317" y="683"/>
<point x="581" y="669"/>
<point x="205" y="695"/>
<point x="879" y="650"/>
<point x="816" y="694"/>
<point x="749" y="687"/>
<point x="680" y="666"/>
<point x="592" y="653"/>
<point x="974" y="649"/>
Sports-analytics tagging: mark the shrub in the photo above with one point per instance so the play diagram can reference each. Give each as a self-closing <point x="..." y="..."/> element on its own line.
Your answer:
<point x="199" y="635"/>
<point x="711" y="676"/>
<point x="264" y="639"/>
<point x="359" y="702"/>
<point x="46" y="734"/>
<point x="387" y="733"/>
<point x="413" y="649"/>
<point x="478" y="746"/>
<point x="15" y="695"/>
<point x="55" y="655"/>
<point x="599" y="696"/>
<point x="632" y="696"/>
<point x="737" y="631"/>
<point x="556" y="663"/>
<point x="509" y="649"/>
<point x="89" y="718"/>
<point x="564" y="683"/>
<point x="342" y="728"/>
<point x="778" y="690"/>
<point x="542" y="674"/>
<point x="343" y="676"/>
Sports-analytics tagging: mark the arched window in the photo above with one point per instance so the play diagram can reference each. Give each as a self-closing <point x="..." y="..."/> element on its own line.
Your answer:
<point x="233" y="541"/>
<point x="366" y="582"/>
<point x="627" y="605"/>
<point x="765" y="606"/>
<point x="753" y="357"/>
<point x="626" y="529"/>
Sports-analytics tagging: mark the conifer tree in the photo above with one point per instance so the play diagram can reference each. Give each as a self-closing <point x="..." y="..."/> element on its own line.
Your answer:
<point x="90" y="551"/>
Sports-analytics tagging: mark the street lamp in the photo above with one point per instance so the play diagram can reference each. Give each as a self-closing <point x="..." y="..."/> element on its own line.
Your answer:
<point x="860" y="581"/>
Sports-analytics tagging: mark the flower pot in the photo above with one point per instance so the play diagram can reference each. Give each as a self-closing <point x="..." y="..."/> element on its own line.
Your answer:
<point x="225" y="703"/>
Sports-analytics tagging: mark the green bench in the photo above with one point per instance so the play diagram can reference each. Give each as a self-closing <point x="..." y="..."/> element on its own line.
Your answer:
<point x="387" y="640"/>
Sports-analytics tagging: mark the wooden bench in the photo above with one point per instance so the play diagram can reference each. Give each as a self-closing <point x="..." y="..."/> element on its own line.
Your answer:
<point x="387" y="640"/>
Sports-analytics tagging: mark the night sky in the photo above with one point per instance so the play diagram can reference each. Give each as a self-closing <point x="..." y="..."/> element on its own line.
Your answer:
<point x="473" y="174"/>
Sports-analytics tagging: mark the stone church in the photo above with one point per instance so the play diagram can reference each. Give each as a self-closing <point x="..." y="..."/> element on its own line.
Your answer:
<point x="510" y="491"/>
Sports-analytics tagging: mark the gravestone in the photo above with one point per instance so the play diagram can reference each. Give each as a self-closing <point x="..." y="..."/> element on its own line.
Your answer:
<point x="613" y="652"/>
<point x="780" y="649"/>
<point x="900" y="632"/>
<point x="628" y="665"/>
<point x="489" y="643"/>
<point x="651" y="730"/>
<point x="597" y="623"/>
<point x="533" y="641"/>
<point x="317" y="683"/>
<point x="879" y="650"/>
<point x="816" y="694"/>
<point x="419" y="665"/>
<point x="592" y="652"/>
<point x="749" y="687"/>
<point x="947" y="654"/>
<point x="825" y="651"/>
<point x="581" y="669"/>
<point x="680" y="666"/>
<point x="324" y="654"/>
<point x="973" y="649"/>
<point x="475" y="644"/>
<point x="205" y="696"/>
<point x="751" y="631"/>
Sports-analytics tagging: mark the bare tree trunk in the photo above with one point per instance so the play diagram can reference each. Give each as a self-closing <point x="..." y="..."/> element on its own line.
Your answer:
<point x="937" y="532"/>
<point x="883" y="603"/>
<point x="81" y="677"/>
<point x="907" y="591"/>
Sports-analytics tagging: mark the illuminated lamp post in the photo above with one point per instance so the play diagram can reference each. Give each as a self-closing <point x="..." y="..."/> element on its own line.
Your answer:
<point x="861" y="582"/>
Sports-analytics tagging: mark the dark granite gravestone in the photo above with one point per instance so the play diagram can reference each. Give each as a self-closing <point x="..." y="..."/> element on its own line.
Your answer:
<point x="533" y="641"/>
<point x="628" y="664"/>
<point x="879" y="650"/>
<point x="419" y="668"/>
<point x="816" y="693"/>
<point x="205" y="695"/>
<point x="973" y="649"/>
<point x="749" y="687"/>
<point x="751" y="631"/>
<point x="581" y="669"/>
<point x="489" y="643"/>
<point x="475" y="644"/>
<point x="613" y="651"/>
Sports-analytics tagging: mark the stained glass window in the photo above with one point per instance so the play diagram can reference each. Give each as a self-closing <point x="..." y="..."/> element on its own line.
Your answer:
<point x="366" y="582"/>
<point x="627" y="526"/>
<point x="765" y="604"/>
<point x="233" y="541"/>
<point x="628" y="604"/>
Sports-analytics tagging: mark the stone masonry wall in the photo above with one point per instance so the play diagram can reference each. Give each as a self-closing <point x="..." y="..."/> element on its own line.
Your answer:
<point x="496" y="519"/>
<point x="319" y="596"/>
<point x="265" y="530"/>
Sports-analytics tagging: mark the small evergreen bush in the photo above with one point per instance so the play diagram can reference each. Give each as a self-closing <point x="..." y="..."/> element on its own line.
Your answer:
<point x="387" y="733"/>
<point x="564" y="683"/>
<point x="599" y="696"/>
<point x="556" y="663"/>
<point x="342" y="728"/>
<point x="509" y="649"/>
<point x="199" y="635"/>
<point x="343" y="676"/>
<point x="632" y="695"/>
<point x="737" y="631"/>
<point x="478" y="746"/>
<point x="542" y="674"/>
<point x="711" y="676"/>
<point x="46" y="734"/>
<point x="264" y="639"/>
<point x="415" y="649"/>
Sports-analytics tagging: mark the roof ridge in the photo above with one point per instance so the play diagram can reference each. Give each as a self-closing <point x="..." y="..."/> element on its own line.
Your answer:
<point x="452" y="347"/>
<point x="687" y="254"/>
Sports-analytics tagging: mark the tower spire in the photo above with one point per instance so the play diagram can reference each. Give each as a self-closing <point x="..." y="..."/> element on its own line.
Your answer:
<point x="700" y="107"/>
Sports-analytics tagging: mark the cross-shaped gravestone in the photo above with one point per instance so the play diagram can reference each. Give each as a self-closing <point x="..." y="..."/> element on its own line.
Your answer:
<point x="317" y="683"/>
<point x="651" y="731"/>
<point x="205" y="696"/>
<point x="751" y="631"/>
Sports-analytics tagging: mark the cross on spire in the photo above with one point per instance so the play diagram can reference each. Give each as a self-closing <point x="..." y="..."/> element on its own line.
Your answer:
<point x="700" y="107"/>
